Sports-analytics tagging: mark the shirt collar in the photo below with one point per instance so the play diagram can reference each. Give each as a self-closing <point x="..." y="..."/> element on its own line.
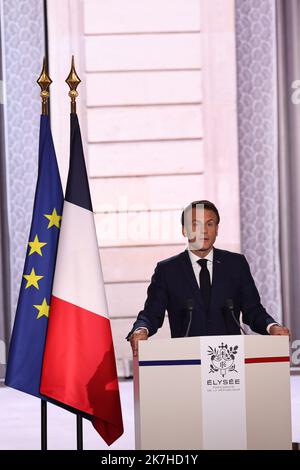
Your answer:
<point x="194" y="258"/>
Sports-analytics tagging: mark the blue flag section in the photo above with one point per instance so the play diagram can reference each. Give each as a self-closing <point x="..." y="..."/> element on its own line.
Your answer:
<point x="30" y="327"/>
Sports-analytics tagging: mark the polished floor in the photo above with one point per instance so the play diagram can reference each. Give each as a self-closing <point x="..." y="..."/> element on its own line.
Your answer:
<point x="20" y="422"/>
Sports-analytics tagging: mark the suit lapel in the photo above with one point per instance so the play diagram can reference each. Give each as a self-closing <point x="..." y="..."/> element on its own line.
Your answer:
<point x="218" y="278"/>
<point x="189" y="274"/>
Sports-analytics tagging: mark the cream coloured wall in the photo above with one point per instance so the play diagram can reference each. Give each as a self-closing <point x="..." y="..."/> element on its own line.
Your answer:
<point x="157" y="106"/>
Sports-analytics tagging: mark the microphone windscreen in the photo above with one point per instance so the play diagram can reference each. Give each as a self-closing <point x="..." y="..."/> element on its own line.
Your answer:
<point x="190" y="304"/>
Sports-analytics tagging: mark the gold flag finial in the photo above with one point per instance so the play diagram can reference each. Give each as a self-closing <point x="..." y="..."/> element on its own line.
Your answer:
<point x="73" y="81"/>
<point x="44" y="81"/>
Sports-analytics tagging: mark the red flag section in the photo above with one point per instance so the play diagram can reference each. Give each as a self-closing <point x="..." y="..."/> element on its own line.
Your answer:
<point x="79" y="366"/>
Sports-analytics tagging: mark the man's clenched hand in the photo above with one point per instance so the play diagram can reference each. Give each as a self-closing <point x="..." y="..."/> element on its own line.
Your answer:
<point x="138" y="335"/>
<point x="279" y="330"/>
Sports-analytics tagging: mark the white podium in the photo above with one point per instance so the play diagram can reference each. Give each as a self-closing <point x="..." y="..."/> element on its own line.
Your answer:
<point x="213" y="392"/>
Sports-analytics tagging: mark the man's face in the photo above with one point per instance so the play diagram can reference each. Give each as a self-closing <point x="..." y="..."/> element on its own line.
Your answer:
<point x="201" y="228"/>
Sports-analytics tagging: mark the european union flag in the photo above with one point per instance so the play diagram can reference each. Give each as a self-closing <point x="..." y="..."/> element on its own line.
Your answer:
<point x="30" y="327"/>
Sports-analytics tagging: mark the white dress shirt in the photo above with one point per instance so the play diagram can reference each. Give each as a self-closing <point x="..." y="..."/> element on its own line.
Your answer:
<point x="196" y="266"/>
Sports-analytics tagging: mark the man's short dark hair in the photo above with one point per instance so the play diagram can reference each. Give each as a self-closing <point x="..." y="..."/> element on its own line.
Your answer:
<point x="205" y="204"/>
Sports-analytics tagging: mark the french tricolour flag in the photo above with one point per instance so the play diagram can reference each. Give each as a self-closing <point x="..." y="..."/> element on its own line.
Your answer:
<point x="79" y="366"/>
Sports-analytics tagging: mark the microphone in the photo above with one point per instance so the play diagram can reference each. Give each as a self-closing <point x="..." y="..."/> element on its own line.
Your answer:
<point x="189" y="306"/>
<point x="230" y="306"/>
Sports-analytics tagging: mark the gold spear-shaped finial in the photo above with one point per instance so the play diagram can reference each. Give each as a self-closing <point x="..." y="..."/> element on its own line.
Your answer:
<point x="44" y="81"/>
<point x="73" y="81"/>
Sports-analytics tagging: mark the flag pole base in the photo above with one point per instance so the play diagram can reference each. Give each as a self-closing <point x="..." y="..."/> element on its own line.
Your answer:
<point x="43" y="425"/>
<point x="79" y="432"/>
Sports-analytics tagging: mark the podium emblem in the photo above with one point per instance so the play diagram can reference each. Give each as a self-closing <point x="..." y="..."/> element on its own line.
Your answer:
<point x="222" y="359"/>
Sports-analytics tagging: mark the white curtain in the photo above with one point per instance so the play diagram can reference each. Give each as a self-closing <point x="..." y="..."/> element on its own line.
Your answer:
<point x="288" y="50"/>
<point x="4" y="240"/>
<point x="23" y="49"/>
<point x="257" y="137"/>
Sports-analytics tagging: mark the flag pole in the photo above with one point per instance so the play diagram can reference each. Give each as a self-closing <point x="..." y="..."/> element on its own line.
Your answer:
<point x="73" y="81"/>
<point x="44" y="82"/>
<point x="43" y="425"/>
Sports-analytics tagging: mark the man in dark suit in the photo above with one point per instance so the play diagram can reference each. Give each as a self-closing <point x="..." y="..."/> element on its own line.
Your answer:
<point x="203" y="289"/>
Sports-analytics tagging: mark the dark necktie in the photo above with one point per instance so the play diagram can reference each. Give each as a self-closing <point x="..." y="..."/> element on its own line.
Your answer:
<point x="204" y="280"/>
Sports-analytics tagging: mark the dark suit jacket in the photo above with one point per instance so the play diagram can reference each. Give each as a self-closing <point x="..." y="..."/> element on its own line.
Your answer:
<point x="174" y="282"/>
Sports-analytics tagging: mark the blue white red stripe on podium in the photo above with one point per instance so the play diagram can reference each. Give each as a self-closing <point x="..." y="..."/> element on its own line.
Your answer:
<point x="192" y="362"/>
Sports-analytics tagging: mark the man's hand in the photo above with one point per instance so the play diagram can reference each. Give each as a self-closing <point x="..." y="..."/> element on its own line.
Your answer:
<point x="279" y="330"/>
<point x="138" y="335"/>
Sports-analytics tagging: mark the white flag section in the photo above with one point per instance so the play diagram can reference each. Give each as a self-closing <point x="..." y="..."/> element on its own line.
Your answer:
<point x="223" y="392"/>
<point x="77" y="252"/>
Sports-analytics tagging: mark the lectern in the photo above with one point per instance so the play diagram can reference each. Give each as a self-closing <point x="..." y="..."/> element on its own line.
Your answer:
<point x="213" y="392"/>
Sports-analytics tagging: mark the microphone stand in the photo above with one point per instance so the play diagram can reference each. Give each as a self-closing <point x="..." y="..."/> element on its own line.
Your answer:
<point x="230" y="307"/>
<point x="190" y="307"/>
